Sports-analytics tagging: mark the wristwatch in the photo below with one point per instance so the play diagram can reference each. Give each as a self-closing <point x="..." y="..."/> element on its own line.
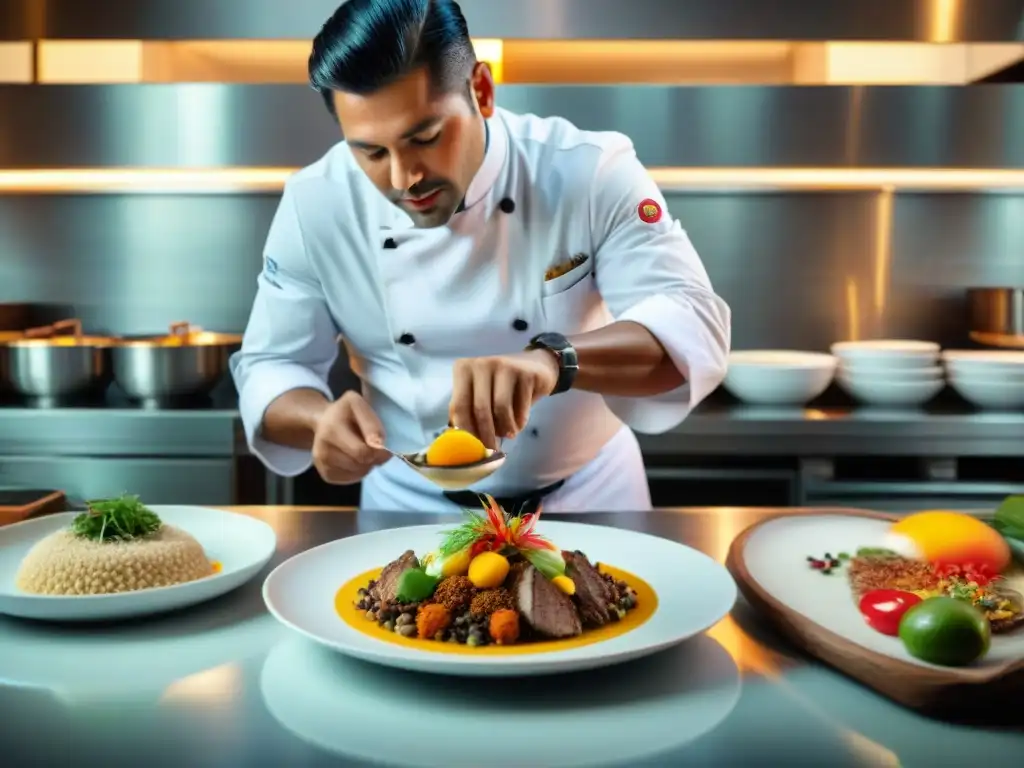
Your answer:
<point x="564" y="352"/>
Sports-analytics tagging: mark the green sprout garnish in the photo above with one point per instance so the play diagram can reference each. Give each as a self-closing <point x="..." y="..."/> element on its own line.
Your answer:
<point x="121" y="519"/>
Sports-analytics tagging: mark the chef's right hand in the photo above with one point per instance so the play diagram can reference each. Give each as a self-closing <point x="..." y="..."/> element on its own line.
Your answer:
<point x="348" y="441"/>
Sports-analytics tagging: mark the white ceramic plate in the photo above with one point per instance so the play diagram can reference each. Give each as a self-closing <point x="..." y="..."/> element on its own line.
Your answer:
<point x="653" y="707"/>
<point x="300" y="593"/>
<point x="776" y="557"/>
<point x="241" y="544"/>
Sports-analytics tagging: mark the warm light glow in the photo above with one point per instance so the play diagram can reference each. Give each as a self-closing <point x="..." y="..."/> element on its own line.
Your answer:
<point x="945" y="20"/>
<point x="852" y="311"/>
<point x="491" y="51"/>
<point x="16" y="63"/>
<point x="744" y="179"/>
<point x="193" y="61"/>
<point x="75" y="62"/>
<point x="670" y="180"/>
<point x="680" y="62"/>
<point x="894" y="64"/>
<point x="883" y="249"/>
<point x="213" y="686"/>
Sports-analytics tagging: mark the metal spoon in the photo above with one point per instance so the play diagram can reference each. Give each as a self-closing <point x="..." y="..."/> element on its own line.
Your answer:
<point x="453" y="478"/>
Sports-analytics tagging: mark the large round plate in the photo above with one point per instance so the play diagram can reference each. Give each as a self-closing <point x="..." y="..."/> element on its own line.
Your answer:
<point x="694" y="593"/>
<point x="663" y="703"/>
<point x="241" y="544"/>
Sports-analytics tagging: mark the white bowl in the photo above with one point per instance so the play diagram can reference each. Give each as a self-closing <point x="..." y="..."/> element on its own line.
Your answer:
<point x="889" y="353"/>
<point x="989" y="392"/>
<point x="881" y="373"/>
<point x="893" y="393"/>
<point x="778" y="377"/>
<point x="1001" y="363"/>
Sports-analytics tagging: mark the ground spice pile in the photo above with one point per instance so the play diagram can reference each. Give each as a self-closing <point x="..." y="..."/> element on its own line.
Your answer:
<point x="869" y="573"/>
<point x="490" y="601"/>
<point x="454" y="593"/>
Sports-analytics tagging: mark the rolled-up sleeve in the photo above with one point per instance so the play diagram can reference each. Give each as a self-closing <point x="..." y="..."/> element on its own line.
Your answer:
<point x="649" y="273"/>
<point x="290" y="341"/>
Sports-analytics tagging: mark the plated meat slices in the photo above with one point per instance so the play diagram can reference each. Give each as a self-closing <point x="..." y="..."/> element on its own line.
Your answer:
<point x="595" y="596"/>
<point x="546" y="608"/>
<point x="386" y="587"/>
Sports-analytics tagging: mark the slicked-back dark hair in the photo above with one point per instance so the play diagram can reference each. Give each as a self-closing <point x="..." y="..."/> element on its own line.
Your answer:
<point x="368" y="44"/>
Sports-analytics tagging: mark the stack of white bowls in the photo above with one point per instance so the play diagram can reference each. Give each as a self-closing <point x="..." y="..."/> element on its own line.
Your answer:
<point x="778" y="376"/>
<point x="989" y="379"/>
<point x="890" y="373"/>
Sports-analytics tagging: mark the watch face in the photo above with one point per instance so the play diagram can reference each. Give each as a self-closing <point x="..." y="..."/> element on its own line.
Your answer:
<point x="555" y="341"/>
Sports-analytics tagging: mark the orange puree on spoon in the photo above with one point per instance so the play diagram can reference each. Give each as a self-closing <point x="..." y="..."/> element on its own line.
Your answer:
<point x="455" y="448"/>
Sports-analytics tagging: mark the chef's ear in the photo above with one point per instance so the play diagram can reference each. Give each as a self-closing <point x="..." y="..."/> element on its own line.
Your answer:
<point x="482" y="83"/>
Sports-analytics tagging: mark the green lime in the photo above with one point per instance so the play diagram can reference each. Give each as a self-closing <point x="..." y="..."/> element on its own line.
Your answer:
<point x="946" y="631"/>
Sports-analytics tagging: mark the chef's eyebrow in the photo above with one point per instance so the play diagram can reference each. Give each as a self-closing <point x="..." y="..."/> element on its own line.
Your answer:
<point x="420" y="127"/>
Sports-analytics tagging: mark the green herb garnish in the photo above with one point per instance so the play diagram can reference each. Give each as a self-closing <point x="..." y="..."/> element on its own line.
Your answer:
<point x="121" y="519"/>
<point x="878" y="552"/>
<point x="466" y="534"/>
<point x="1009" y="522"/>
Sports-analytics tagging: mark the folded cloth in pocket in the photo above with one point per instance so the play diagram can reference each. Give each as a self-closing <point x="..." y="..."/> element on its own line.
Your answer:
<point x="566" y="266"/>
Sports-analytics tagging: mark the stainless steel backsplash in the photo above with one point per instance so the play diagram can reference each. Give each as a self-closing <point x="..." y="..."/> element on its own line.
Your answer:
<point x="799" y="270"/>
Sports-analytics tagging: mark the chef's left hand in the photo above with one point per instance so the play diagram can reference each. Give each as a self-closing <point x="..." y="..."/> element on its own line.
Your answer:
<point x="492" y="396"/>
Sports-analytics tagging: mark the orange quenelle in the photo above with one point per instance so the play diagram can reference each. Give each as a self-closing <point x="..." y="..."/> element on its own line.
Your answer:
<point x="950" y="538"/>
<point x="454" y="448"/>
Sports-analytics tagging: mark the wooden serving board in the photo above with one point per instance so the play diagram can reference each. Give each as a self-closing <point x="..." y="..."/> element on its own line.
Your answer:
<point x="818" y="613"/>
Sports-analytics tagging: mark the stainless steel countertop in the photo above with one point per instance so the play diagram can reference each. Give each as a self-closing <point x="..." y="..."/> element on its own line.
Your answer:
<point x="215" y="686"/>
<point x="712" y="430"/>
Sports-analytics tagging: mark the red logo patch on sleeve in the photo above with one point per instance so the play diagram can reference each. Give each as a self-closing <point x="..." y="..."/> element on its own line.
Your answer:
<point x="649" y="211"/>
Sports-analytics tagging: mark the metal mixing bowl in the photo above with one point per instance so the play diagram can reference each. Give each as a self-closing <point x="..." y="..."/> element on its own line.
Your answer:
<point x="58" y="368"/>
<point x="182" y="365"/>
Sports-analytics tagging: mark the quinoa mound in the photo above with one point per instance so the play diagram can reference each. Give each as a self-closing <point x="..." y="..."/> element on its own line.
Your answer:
<point x="66" y="564"/>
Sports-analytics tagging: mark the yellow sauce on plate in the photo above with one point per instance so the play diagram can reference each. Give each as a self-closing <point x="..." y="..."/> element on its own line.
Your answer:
<point x="647" y="603"/>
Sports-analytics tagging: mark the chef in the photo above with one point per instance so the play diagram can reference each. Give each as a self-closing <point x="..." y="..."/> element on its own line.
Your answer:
<point x="512" y="275"/>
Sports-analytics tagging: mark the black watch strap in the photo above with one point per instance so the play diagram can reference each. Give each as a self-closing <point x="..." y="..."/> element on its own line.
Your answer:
<point x="563" y="350"/>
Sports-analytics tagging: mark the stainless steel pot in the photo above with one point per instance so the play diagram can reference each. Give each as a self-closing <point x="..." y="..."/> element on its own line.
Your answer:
<point x="186" y="363"/>
<point x="996" y="316"/>
<point x="42" y="365"/>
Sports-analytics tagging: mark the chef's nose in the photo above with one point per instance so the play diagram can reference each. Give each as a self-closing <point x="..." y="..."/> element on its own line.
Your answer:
<point x="404" y="175"/>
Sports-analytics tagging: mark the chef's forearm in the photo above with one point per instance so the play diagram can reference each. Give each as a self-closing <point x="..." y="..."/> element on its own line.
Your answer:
<point x="624" y="359"/>
<point x="291" y="419"/>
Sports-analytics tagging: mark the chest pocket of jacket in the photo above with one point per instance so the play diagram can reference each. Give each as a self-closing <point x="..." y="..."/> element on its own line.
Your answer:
<point x="569" y="299"/>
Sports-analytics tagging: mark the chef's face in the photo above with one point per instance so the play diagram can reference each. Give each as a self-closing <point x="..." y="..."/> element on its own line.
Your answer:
<point x="420" y="147"/>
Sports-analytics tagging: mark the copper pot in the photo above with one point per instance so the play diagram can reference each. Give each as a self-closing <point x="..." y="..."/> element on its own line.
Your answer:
<point x="996" y="316"/>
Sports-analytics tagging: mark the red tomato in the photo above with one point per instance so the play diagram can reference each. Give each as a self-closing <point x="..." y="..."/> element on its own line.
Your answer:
<point x="883" y="609"/>
<point x="979" y="574"/>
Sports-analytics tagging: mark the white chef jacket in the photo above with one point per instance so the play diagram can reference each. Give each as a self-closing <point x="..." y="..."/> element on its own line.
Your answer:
<point x="342" y="262"/>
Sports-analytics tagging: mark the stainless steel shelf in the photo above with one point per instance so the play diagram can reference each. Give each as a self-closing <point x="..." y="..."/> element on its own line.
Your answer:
<point x="713" y="431"/>
<point x="99" y="432"/>
<point x="910" y="20"/>
<point x="797" y="432"/>
<point x="850" y="128"/>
